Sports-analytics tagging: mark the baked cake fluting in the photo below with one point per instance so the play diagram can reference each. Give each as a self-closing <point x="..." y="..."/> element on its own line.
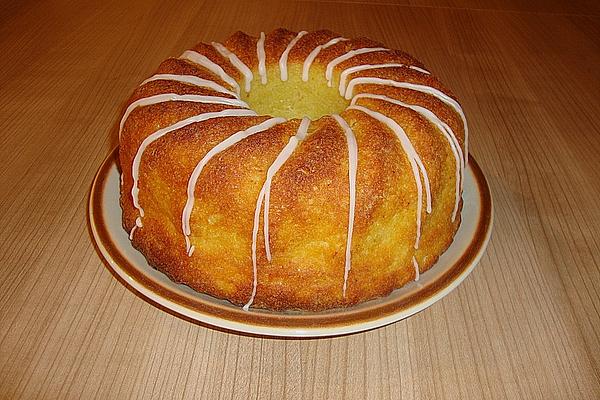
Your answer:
<point x="292" y="170"/>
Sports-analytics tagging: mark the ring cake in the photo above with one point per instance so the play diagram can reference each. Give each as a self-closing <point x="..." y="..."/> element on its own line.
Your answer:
<point x="293" y="170"/>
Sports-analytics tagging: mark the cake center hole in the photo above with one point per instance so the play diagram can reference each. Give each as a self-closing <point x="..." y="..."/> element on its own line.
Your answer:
<point x="294" y="98"/>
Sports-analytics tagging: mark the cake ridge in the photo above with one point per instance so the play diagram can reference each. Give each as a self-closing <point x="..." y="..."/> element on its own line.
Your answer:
<point x="418" y="87"/>
<point x="284" y="56"/>
<point x="315" y="52"/>
<point x="165" y="97"/>
<point x="231" y="112"/>
<point x="346" y="56"/>
<point x="263" y="202"/>
<point x="285" y="153"/>
<point x="237" y="63"/>
<point x="442" y="127"/>
<point x="363" y="67"/>
<point x="413" y="158"/>
<point x="191" y="80"/>
<point x="212" y="66"/>
<point x="222" y="146"/>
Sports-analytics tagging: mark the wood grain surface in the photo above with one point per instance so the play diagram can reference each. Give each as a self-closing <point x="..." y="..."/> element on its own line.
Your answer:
<point x="524" y="325"/>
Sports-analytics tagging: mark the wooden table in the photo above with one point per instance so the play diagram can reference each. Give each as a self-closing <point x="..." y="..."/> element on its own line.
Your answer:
<point x="525" y="324"/>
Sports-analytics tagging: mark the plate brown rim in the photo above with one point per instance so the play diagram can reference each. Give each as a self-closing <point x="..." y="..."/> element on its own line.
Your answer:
<point x="283" y="320"/>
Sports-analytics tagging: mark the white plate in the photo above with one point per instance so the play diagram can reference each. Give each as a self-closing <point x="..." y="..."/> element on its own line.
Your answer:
<point x="130" y="265"/>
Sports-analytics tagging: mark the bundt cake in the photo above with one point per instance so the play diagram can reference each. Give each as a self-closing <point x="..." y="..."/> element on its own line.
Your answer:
<point x="292" y="170"/>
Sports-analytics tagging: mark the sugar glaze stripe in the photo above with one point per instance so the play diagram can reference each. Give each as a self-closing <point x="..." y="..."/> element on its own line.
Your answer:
<point x="352" y="168"/>
<point x="260" y="54"/>
<point x="191" y="80"/>
<point x="283" y="69"/>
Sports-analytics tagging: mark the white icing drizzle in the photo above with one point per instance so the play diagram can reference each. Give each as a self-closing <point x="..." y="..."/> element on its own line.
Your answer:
<point x="162" y="98"/>
<point x="224" y="145"/>
<point x="284" y="56"/>
<point x="162" y="132"/>
<point x="188" y="245"/>
<point x="215" y="68"/>
<point x="237" y="63"/>
<point x="352" y="168"/>
<point x="138" y="224"/>
<point x="352" y="53"/>
<point x="313" y="54"/>
<point x="260" y="52"/>
<point x="273" y="169"/>
<point x="416" y="265"/>
<point x="427" y="187"/>
<point x="364" y="67"/>
<point x="419" y="88"/>
<point x="442" y="127"/>
<point x="259" y="201"/>
<point x="191" y="80"/>
<point x="413" y="158"/>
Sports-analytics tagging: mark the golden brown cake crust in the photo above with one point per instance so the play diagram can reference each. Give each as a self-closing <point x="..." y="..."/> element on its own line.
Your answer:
<point x="310" y="194"/>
